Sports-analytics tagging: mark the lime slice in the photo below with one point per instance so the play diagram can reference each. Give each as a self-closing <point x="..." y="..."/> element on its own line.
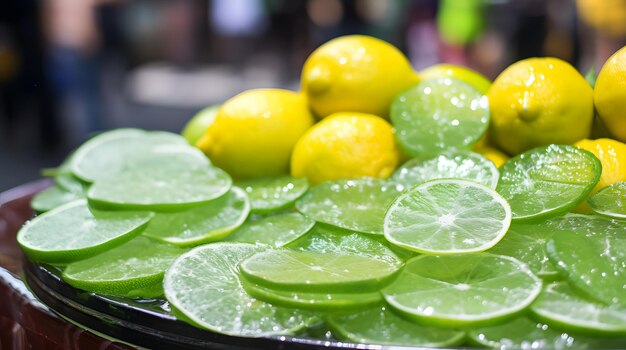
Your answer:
<point x="313" y="301"/>
<point x="595" y="266"/>
<point x="358" y="205"/>
<point x="546" y="181"/>
<point x="74" y="231"/>
<point x="439" y="114"/>
<point x="51" y="198"/>
<point x="588" y="225"/>
<point x="203" y="285"/>
<point x="111" y="152"/>
<point x="332" y="240"/>
<point x="527" y="243"/>
<point x="380" y="326"/>
<point x="276" y="231"/>
<point x="448" y="165"/>
<point x="527" y="334"/>
<point x="271" y="194"/>
<point x="126" y="270"/>
<point x="559" y="305"/>
<point x="206" y="223"/>
<point x="462" y="290"/>
<point x="168" y="186"/>
<point x="610" y="201"/>
<point x="292" y="270"/>
<point x="447" y="217"/>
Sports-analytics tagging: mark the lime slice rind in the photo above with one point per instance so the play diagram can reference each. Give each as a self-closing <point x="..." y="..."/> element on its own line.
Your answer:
<point x="268" y="195"/>
<point x="610" y="201"/>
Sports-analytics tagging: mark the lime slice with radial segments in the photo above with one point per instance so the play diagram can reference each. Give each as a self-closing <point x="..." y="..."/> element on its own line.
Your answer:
<point x="203" y="285"/>
<point x="610" y="201"/>
<point x="170" y="185"/>
<point x="275" y="231"/>
<point x="271" y="194"/>
<point x="448" y="165"/>
<point x="462" y="290"/>
<point x="546" y="181"/>
<point x="202" y="224"/>
<point x="291" y="270"/>
<point x="527" y="243"/>
<point x="358" y="205"/>
<point x="447" y="216"/>
<point x="527" y="334"/>
<point x="111" y="152"/>
<point x="561" y="306"/>
<point x="313" y="301"/>
<point x="74" y="231"/>
<point x="51" y="198"/>
<point x="438" y="115"/>
<point x="380" y="326"/>
<point x="126" y="270"/>
<point x="594" y="266"/>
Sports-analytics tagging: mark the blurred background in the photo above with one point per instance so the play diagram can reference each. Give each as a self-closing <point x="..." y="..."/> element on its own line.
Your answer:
<point x="71" y="68"/>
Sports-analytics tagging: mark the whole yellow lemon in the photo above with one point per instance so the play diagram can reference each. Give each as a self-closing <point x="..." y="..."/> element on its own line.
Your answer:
<point x="610" y="94"/>
<point x="254" y="132"/>
<point x="539" y="101"/>
<point x="346" y="145"/>
<point x="355" y="73"/>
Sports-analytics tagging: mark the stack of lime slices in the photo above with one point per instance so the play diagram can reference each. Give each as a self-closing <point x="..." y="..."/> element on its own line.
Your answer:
<point x="448" y="251"/>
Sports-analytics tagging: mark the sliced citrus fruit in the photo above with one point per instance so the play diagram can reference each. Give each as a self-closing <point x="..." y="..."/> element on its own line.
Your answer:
<point x="380" y="326"/>
<point x="588" y="225"/>
<point x="203" y="285"/>
<point x="462" y="290"/>
<point x="546" y="181"/>
<point x="447" y="216"/>
<point x="358" y="205"/>
<point x="206" y="223"/>
<point x="74" y="231"/>
<point x="270" y="194"/>
<point x="448" y="165"/>
<point x="610" y="201"/>
<point x="126" y="270"/>
<point x="276" y="230"/>
<point x="561" y="306"/>
<point x="51" y="198"/>
<point x="292" y="270"/>
<point x="439" y="114"/>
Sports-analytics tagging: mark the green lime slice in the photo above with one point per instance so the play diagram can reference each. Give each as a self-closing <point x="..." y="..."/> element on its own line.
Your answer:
<point x="447" y="216"/>
<point x="313" y="301"/>
<point x="595" y="266"/>
<point x="111" y="152"/>
<point x="126" y="270"/>
<point x="206" y="223"/>
<point x="51" y="198"/>
<point x="610" y="201"/>
<point x="203" y="285"/>
<point x="292" y="270"/>
<point x="448" y="165"/>
<point x="527" y="243"/>
<point x="524" y="333"/>
<point x="160" y="187"/>
<point x="546" y="181"/>
<point x="329" y="239"/>
<point x="275" y="231"/>
<point x="271" y="194"/>
<point x="358" y="205"/>
<point x="560" y="306"/>
<point x="74" y="231"/>
<point x="462" y="290"/>
<point x="588" y="225"/>
<point x="380" y="326"/>
<point x="439" y="114"/>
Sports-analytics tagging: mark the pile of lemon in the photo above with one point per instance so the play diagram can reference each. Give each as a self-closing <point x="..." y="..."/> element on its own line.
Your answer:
<point x="338" y="125"/>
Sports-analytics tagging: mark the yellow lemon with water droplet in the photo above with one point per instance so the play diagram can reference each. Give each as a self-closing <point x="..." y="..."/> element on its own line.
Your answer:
<point x="346" y="145"/>
<point x="355" y="73"/>
<point x="539" y="101"/>
<point x="610" y="94"/>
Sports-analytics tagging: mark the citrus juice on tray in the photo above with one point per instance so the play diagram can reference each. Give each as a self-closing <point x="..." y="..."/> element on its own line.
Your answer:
<point x="381" y="205"/>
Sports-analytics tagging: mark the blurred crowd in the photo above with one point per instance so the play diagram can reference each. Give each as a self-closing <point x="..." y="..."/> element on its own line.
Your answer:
<point x="69" y="68"/>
